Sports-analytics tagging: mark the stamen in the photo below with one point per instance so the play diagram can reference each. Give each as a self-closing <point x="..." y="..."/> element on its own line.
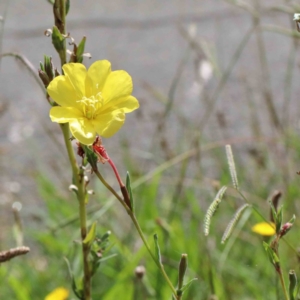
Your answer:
<point x="91" y="105"/>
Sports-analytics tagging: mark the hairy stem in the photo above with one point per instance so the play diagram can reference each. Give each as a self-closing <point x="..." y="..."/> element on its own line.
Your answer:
<point x="283" y="284"/>
<point x="62" y="28"/>
<point x="77" y="172"/>
<point x="81" y="196"/>
<point x="85" y="247"/>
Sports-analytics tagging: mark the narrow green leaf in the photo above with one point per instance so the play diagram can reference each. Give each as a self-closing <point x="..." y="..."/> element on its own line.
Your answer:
<point x="80" y="50"/>
<point x="91" y="235"/>
<point x="48" y="67"/>
<point x="157" y="249"/>
<point x="186" y="286"/>
<point x="292" y="220"/>
<point x="67" y="6"/>
<point x="57" y="39"/>
<point x="271" y="254"/>
<point x="292" y="284"/>
<point x="78" y="291"/>
<point x="42" y="66"/>
<point x="274" y="212"/>
<point x="278" y="221"/>
<point x="128" y="187"/>
<point x="105" y="236"/>
<point x="182" y="269"/>
<point x="91" y="156"/>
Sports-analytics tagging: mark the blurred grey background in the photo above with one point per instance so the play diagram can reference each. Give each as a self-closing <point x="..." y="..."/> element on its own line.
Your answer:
<point x="228" y="71"/>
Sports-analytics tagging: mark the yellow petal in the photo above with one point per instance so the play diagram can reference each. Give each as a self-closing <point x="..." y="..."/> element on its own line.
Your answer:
<point x="76" y="74"/>
<point x="64" y="114"/>
<point x="96" y="77"/>
<point x="108" y="124"/>
<point x="264" y="228"/>
<point x="117" y="85"/>
<point x="62" y="92"/>
<point x="126" y="104"/>
<point x="83" y="130"/>
<point x="58" y="294"/>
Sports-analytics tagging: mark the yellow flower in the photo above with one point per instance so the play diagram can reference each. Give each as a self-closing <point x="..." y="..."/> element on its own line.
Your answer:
<point x="92" y="101"/>
<point x="264" y="228"/>
<point x="58" y="294"/>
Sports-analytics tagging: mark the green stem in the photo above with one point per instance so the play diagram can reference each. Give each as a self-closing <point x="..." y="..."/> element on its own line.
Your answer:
<point x="62" y="28"/>
<point x="85" y="247"/>
<point x="254" y="208"/>
<point x="71" y="155"/>
<point x="78" y="180"/>
<point x="105" y="183"/>
<point x="159" y="265"/>
<point x="283" y="284"/>
<point x="275" y="246"/>
<point x="138" y="228"/>
<point x="81" y="196"/>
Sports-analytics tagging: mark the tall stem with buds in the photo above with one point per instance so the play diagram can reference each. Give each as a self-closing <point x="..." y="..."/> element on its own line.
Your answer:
<point x="78" y="176"/>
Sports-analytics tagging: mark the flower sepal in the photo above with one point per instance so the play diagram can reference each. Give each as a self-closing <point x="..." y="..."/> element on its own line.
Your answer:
<point x="78" y="52"/>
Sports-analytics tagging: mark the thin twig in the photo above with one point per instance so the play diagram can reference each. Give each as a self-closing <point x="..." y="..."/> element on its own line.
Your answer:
<point x="266" y="81"/>
<point x="215" y="96"/>
<point x="11" y="253"/>
<point x="31" y="69"/>
<point x="2" y="21"/>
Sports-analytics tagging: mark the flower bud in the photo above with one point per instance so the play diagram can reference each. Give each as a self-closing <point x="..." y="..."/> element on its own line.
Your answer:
<point x="275" y="200"/>
<point x="44" y="77"/>
<point x="140" y="271"/>
<point x="56" y="72"/>
<point x="80" y="151"/>
<point x="181" y="270"/>
<point x="46" y="72"/>
<point x="48" y="32"/>
<point x="48" y="67"/>
<point x="80" y="50"/>
<point x="293" y="284"/>
<point x="73" y="188"/>
<point x="99" y="149"/>
<point x="285" y="229"/>
<point x="57" y="40"/>
<point x="296" y="17"/>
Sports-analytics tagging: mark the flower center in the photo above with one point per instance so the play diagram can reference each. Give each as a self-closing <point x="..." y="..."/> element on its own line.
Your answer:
<point x="91" y="106"/>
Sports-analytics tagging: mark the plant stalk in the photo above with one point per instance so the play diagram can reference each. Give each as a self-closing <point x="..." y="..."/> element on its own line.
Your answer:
<point x="283" y="284"/>
<point x="62" y="28"/>
<point x="140" y="232"/>
<point x="81" y="196"/>
<point x="85" y="247"/>
<point x="159" y="265"/>
<point x="77" y="172"/>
